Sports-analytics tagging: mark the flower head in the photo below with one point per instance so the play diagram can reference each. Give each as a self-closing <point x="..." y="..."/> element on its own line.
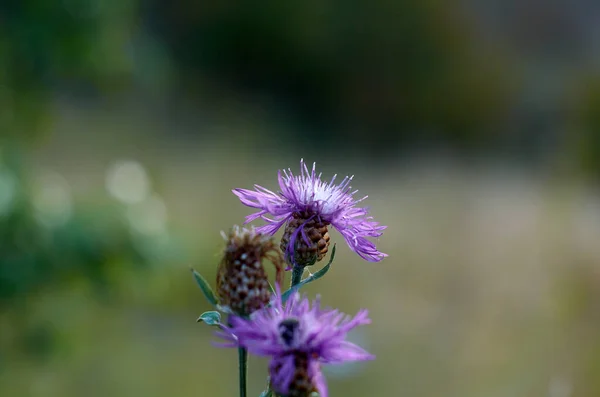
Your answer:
<point x="307" y="205"/>
<point x="299" y="337"/>
<point x="242" y="283"/>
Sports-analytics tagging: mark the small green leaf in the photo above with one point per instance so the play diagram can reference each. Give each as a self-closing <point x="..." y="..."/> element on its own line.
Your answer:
<point x="322" y="271"/>
<point x="268" y="392"/>
<point x="317" y="275"/>
<point x="205" y="287"/>
<point x="210" y="318"/>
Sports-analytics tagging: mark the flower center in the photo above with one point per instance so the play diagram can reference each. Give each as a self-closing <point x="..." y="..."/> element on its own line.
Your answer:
<point x="288" y="329"/>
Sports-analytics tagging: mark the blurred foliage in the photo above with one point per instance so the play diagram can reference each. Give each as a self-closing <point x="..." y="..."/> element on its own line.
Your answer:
<point x="35" y="255"/>
<point x="44" y="46"/>
<point x="370" y="77"/>
<point x="586" y="126"/>
<point x="388" y="68"/>
<point x="48" y="243"/>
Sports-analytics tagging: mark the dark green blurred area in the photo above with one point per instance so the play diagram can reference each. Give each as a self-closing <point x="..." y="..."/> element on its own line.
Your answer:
<point x="473" y="126"/>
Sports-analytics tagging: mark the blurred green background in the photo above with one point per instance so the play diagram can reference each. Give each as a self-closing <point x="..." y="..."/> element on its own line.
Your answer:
<point x="474" y="127"/>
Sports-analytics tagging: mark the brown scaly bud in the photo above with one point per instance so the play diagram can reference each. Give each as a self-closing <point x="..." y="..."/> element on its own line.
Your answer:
<point x="301" y="384"/>
<point x="293" y="241"/>
<point x="242" y="283"/>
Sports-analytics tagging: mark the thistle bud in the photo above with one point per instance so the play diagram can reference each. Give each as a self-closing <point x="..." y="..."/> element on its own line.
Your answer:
<point x="242" y="282"/>
<point x="305" y="240"/>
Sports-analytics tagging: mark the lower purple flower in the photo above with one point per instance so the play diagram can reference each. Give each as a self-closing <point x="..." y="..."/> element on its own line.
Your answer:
<point x="299" y="337"/>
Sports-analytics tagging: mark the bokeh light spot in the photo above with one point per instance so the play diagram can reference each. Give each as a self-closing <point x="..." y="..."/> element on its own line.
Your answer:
<point x="128" y="182"/>
<point x="149" y="216"/>
<point x="52" y="200"/>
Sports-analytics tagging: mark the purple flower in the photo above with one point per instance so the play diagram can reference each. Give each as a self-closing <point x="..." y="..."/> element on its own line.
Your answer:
<point x="299" y="337"/>
<point x="308" y="205"/>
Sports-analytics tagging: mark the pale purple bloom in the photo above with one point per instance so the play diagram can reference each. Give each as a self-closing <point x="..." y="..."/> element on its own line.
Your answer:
<point x="308" y="195"/>
<point x="297" y="330"/>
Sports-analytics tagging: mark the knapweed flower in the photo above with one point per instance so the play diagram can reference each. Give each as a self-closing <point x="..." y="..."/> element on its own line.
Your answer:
<point x="299" y="338"/>
<point x="242" y="283"/>
<point x="307" y="206"/>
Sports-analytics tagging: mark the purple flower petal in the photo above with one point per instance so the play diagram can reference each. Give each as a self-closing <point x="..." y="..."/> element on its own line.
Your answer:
<point x="308" y="194"/>
<point x="281" y="371"/>
<point x="314" y="371"/>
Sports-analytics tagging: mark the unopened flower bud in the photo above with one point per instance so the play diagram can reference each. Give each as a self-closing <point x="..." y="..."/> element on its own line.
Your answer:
<point x="305" y="240"/>
<point x="242" y="282"/>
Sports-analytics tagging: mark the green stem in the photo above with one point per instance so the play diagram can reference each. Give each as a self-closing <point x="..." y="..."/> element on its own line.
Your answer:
<point x="297" y="272"/>
<point x="243" y="361"/>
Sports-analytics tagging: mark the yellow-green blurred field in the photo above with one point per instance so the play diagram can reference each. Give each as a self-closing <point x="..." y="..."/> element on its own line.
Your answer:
<point x="491" y="288"/>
